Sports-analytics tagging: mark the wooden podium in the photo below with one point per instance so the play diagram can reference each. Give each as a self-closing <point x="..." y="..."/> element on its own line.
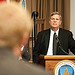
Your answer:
<point x="50" y="61"/>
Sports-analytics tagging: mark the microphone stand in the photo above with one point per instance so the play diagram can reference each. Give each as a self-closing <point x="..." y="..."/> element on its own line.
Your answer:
<point x="63" y="50"/>
<point x="34" y="15"/>
<point x="59" y="45"/>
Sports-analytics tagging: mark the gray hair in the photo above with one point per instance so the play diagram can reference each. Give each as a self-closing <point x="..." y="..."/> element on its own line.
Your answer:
<point x="15" y="21"/>
<point x="55" y="13"/>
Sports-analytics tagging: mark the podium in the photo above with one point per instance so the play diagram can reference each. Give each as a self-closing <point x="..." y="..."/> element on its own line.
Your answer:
<point x="50" y="61"/>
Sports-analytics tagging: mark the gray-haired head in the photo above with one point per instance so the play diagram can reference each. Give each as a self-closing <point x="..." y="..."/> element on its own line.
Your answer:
<point x="55" y="13"/>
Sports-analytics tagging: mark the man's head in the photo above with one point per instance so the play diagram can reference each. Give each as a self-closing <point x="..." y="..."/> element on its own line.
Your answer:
<point x="15" y="22"/>
<point x="55" y="20"/>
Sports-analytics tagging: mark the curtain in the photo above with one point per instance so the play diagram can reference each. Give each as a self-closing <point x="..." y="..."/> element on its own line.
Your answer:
<point x="46" y="7"/>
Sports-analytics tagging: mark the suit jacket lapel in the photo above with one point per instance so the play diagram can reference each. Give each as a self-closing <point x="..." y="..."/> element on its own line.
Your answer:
<point x="60" y="35"/>
<point x="47" y="38"/>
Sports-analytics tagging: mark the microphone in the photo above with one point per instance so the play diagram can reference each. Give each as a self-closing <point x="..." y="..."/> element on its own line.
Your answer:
<point x="59" y="44"/>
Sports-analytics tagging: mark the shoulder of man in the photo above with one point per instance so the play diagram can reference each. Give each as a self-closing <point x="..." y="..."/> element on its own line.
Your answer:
<point x="21" y="68"/>
<point x="44" y="31"/>
<point x="65" y="31"/>
<point x="33" y="69"/>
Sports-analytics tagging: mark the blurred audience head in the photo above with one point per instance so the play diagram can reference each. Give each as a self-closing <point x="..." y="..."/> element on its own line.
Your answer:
<point x="15" y="24"/>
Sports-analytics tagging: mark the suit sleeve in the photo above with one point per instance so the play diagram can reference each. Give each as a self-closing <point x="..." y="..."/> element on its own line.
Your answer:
<point x="36" y="50"/>
<point x="71" y="43"/>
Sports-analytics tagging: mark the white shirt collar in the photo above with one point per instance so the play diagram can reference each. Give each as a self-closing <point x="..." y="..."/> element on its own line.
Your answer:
<point x="54" y="32"/>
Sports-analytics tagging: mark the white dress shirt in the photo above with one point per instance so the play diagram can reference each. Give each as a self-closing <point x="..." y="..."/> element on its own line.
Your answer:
<point x="50" y="47"/>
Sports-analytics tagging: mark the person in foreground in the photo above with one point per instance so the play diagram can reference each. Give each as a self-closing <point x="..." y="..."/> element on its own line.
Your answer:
<point x="15" y="25"/>
<point x="44" y="43"/>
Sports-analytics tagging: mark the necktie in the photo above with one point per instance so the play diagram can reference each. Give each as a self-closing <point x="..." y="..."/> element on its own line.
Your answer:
<point x="54" y="44"/>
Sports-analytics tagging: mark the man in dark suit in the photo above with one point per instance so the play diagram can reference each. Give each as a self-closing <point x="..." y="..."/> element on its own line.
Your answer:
<point x="44" y="42"/>
<point x="15" y="25"/>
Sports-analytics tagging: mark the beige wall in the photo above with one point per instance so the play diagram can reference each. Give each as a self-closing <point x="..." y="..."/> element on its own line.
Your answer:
<point x="72" y="16"/>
